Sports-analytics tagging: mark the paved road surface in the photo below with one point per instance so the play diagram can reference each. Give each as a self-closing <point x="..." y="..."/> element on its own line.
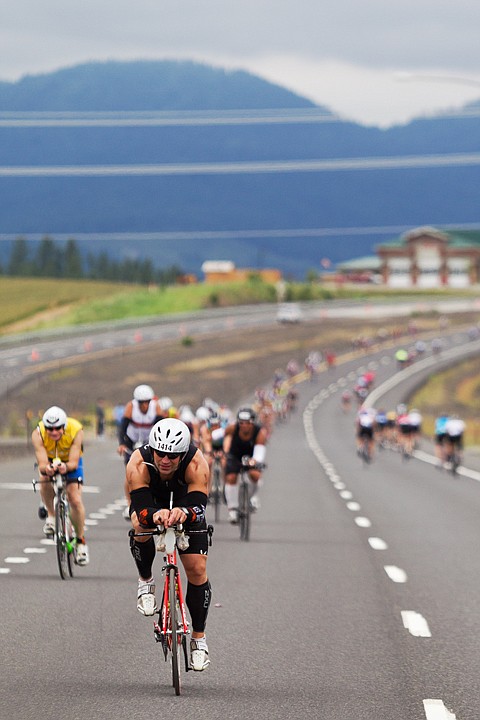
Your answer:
<point x="356" y="598"/>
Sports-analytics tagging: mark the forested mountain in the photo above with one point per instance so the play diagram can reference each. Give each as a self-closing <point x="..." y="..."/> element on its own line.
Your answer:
<point x="182" y="162"/>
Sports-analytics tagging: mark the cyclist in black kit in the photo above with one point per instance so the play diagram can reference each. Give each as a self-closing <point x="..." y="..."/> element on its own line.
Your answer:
<point x="170" y="462"/>
<point x="244" y="437"/>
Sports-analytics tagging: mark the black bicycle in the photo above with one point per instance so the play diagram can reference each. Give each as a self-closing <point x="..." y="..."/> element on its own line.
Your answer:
<point x="244" y="495"/>
<point x="364" y="451"/>
<point x="216" y="496"/>
<point x="64" y="534"/>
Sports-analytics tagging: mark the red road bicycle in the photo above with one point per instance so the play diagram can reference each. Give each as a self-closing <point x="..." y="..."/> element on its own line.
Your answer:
<point x="171" y="629"/>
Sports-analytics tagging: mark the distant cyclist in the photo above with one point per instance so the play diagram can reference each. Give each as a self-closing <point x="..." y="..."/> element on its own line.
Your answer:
<point x="244" y="437"/>
<point x="59" y="437"/>
<point x="139" y="416"/>
<point x="440" y="438"/>
<point x="365" y="430"/>
<point x="454" y="429"/>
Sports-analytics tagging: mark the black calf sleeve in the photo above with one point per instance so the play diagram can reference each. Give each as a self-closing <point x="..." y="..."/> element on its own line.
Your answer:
<point x="198" y="601"/>
<point x="144" y="555"/>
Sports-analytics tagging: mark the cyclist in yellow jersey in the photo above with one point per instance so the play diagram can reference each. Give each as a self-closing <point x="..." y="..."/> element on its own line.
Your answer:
<point x="58" y="444"/>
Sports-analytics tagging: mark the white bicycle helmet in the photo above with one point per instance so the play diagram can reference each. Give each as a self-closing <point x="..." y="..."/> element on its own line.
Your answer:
<point x="165" y="403"/>
<point x="186" y="414"/>
<point x="169" y="435"/>
<point x="54" y="417"/>
<point x="143" y="393"/>
<point x="202" y="413"/>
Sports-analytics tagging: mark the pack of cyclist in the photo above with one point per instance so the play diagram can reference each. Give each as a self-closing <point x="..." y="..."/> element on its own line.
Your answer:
<point x="168" y="453"/>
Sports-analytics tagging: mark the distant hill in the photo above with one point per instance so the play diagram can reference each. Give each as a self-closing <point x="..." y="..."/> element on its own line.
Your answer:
<point x="144" y="85"/>
<point x="181" y="117"/>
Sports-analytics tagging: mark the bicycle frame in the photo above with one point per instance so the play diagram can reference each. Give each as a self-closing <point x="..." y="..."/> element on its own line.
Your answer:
<point x="65" y="540"/>
<point x="244" y="495"/>
<point x="172" y="575"/>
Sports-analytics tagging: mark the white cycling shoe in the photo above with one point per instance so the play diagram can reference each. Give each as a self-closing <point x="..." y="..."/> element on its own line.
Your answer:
<point x="254" y="503"/>
<point x="199" y="654"/>
<point x="82" y="555"/>
<point x="146" y="601"/>
<point x="233" y="516"/>
<point x="49" y="527"/>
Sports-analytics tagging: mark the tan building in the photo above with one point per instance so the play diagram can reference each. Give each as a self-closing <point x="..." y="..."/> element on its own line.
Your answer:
<point x="430" y="258"/>
<point x="224" y="271"/>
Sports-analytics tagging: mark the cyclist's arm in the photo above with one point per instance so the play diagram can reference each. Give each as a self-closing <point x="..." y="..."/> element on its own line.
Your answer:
<point x="205" y="440"/>
<point x="227" y="440"/>
<point x="41" y="456"/>
<point x="75" y="452"/>
<point x="193" y="504"/>
<point x="124" y="441"/>
<point x="138" y="482"/>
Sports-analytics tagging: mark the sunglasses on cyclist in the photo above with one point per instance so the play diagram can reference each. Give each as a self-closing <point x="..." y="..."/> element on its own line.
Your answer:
<point x="169" y="455"/>
<point x="56" y="427"/>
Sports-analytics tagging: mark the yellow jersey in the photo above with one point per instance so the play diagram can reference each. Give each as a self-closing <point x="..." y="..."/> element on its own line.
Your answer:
<point x="61" y="448"/>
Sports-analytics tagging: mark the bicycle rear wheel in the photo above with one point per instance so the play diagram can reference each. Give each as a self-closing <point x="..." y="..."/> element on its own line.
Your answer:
<point x="176" y="638"/>
<point x="216" y="492"/>
<point x="244" y="510"/>
<point x="61" y="538"/>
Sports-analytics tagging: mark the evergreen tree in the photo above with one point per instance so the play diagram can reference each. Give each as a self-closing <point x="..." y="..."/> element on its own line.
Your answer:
<point x="73" y="264"/>
<point x="48" y="259"/>
<point x="19" y="264"/>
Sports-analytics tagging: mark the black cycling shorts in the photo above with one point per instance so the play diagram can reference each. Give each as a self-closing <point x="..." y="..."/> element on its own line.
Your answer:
<point x="365" y="432"/>
<point x="233" y="465"/>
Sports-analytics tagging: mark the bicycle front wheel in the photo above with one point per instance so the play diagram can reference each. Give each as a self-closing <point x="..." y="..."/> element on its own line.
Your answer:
<point x="61" y="538"/>
<point x="175" y="635"/>
<point x="244" y="510"/>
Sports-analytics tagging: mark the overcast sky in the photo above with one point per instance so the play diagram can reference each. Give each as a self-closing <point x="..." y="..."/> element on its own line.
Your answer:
<point x="343" y="54"/>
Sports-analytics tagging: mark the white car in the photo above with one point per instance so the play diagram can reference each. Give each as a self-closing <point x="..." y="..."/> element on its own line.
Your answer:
<point x="289" y="313"/>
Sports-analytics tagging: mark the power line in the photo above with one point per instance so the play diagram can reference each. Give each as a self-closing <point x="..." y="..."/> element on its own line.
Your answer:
<point x="278" y="233"/>
<point x="249" y="167"/>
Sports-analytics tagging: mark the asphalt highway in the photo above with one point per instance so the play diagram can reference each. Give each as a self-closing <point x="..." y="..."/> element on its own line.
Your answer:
<point x="355" y="599"/>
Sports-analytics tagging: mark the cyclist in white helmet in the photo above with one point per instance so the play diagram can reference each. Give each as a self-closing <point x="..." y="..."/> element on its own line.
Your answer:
<point x="139" y="416"/>
<point x="171" y="463"/>
<point x="58" y="444"/>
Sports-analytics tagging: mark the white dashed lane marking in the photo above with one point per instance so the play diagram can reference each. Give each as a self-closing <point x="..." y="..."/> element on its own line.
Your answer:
<point x="415" y="623"/>
<point x="377" y="543"/>
<point x="436" y="710"/>
<point x="396" y="574"/>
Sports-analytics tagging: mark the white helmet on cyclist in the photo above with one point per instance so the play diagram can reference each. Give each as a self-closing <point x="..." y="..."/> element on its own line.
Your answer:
<point x="165" y="403"/>
<point x="171" y="435"/>
<point x="185" y="413"/>
<point x="202" y="413"/>
<point x="246" y="413"/>
<point x="210" y="404"/>
<point x="54" y="417"/>
<point x="143" y="393"/>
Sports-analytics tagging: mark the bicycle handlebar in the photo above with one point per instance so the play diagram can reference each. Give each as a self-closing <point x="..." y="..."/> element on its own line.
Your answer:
<point x="250" y="464"/>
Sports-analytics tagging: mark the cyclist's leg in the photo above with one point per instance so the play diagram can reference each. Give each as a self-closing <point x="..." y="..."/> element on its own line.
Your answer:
<point x="77" y="509"/>
<point x="232" y="469"/>
<point x="256" y="481"/>
<point x="47" y="494"/>
<point x="198" y="597"/>
<point x="143" y="552"/>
